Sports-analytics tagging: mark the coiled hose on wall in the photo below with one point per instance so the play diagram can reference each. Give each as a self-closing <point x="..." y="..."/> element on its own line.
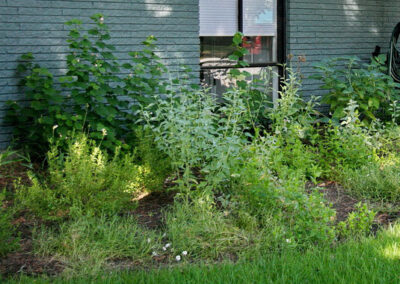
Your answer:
<point x="394" y="55"/>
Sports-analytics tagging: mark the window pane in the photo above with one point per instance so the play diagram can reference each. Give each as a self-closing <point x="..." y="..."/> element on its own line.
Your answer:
<point x="219" y="81"/>
<point x="215" y="50"/>
<point x="218" y="17"/>
<point x="259" y="17"/>
<point x="260" y="49"/>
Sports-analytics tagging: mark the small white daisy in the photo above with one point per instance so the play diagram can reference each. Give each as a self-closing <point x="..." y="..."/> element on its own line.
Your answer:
<point x="178" y="258"/>
<point x="184" y="253"/>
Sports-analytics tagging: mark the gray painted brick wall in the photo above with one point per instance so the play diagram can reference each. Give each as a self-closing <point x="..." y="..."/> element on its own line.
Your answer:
<point x="321" y="29"/>
<point x="38" y="26"/>
<point x="316" y="29"/>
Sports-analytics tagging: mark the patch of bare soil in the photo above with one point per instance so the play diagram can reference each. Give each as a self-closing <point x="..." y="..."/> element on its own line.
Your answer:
<point x="24" y="260"/>
<point x="13" y="172"/>
<point x="344" y="204"/>
<point x="150" y="207"/>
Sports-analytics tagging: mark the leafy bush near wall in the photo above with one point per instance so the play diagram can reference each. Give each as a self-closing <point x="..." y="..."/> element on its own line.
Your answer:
<point x="367" y="84"/>
<point x="93" y="97"/>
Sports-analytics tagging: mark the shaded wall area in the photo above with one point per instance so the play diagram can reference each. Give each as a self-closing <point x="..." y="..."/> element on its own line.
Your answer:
<point x="319" y="29"/>
<point x="37" y="26"/>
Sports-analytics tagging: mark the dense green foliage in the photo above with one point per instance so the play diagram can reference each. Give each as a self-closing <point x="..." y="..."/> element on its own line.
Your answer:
<point x="349" y="79"/>
<point x="243" y="175"/>
<point x="93" y="97"/>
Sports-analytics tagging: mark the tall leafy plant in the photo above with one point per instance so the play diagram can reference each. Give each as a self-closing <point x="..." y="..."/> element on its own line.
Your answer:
<point x="33" y="122"/>
<point x="94" y="97"/>
<point x="92" y="83"/>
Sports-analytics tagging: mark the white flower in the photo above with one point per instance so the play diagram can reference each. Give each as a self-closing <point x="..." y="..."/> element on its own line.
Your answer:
<point x="288" y="241"/>
<point x="148" y="240"/>
<point x="154" y="253"/>
<point x="104" y="132"/>
<point x="101" y="19"/>
<point x="167" y="245"/>
<point x="184" y="253"/>
<point x="178" y="258"/>
<point x="164" y="248"/>
<point x="55" y="126"/>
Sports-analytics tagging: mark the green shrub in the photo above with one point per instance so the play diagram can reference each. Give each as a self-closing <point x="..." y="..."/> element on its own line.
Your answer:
<point x="90" y="244"/>
<point x="279" y="192"/>
<point x="293" y="118"/>
<point x="195" y="135"/>
<point x="358" y="224"/>
<point x="349" y="145"/>
<point x="83" y="180"/>
<point x="349" y="79"/>
<point x="97" y="97"/>
<point x="275" y="168"/>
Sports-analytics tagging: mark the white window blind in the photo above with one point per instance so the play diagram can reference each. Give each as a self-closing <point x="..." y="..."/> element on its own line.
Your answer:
<point x="218" y="17"/>
<point x="259" y="17"/>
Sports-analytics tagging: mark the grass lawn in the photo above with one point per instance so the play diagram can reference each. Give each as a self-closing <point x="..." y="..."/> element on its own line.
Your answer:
<point x="371" y="260"/>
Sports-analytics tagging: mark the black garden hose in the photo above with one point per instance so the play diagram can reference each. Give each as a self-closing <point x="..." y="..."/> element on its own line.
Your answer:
<point x="394" y="55"/>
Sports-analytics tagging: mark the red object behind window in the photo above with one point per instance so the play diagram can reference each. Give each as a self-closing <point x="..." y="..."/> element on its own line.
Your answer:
<point x="257" y="46"/>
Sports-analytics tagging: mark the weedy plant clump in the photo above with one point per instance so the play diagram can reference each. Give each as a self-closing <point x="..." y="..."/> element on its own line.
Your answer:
<point x="83" y="180"/>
